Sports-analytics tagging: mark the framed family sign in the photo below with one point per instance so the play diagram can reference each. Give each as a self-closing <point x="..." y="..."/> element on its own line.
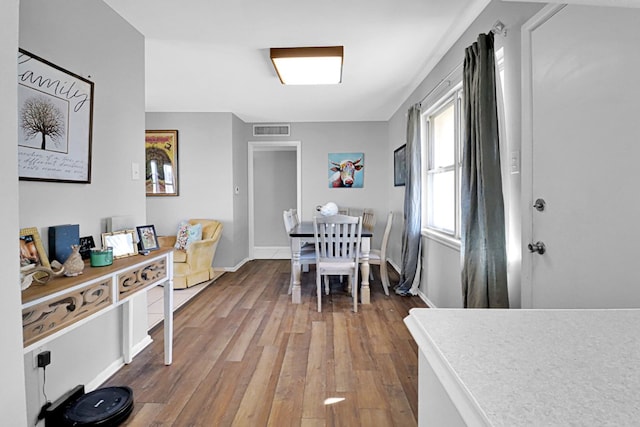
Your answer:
<point x="55" y="117"/>
<point x="161" y="169"/>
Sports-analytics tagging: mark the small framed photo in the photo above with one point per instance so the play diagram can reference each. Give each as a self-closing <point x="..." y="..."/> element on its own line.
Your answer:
<point x="31" y="249"/>
<point x="122" y="242"/>
<point x="399" y="166"/>
<point x="86" y="243"/>
<point x="148" y="240"/>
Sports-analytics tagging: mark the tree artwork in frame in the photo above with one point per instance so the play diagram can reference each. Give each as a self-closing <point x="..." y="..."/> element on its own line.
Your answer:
<point x="55" y="113"/>
<point x="161" y="169"/>
<point x="399" y="166"/>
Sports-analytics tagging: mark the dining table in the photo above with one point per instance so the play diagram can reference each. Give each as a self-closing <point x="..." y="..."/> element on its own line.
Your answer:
<point x="303" y="232"/>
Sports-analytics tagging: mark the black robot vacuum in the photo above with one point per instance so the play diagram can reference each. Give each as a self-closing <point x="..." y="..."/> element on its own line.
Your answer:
<point x="104" y="407"/>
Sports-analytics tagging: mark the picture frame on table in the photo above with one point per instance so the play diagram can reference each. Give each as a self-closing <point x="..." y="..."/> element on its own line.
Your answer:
<point x="399" y="166"/>
<point x="31" y="249"/>
<point x="161" y="163"/>
<point x="122" y="242"/>
<point x="147" y="238"/>
<point x="86" y="244"/>
<point x="55" y="121"/>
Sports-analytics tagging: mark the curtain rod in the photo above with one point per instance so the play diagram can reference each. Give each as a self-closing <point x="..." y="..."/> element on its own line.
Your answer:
<point x="445" y="81"/>
<point x="498" y="28"/>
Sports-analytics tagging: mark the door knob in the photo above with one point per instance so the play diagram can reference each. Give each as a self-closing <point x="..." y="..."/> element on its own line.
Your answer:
<point x="539" y="205"/>
<point x="537" y="247"/>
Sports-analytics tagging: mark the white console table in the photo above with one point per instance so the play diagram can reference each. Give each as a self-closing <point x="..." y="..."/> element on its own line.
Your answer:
<point x="65" y="303"/>
<point x="527" y="367"/>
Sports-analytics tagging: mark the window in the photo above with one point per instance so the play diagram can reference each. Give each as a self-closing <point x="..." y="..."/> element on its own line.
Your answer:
<point x="443" y="135"/>
<point x="442" y="147"/>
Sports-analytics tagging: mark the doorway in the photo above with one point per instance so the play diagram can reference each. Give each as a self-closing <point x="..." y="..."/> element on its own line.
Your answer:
<point x="580" y="152"/>
<point x="274" y="185"/>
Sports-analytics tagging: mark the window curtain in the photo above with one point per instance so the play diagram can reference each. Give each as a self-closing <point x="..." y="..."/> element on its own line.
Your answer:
<point x="483" y="248"/>
<point x="411" y="238"/>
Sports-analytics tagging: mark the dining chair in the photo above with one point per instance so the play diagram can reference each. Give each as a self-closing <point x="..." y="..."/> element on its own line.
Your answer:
<point x="368" y="219"/>
<point x="338" y="240"/>
<point x="379" y="256"/>
<point x="307" y="251"/>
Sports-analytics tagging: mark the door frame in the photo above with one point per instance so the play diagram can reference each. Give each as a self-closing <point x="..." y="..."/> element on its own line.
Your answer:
<point x="527" y="147"/>
<point x="270" y="146"/>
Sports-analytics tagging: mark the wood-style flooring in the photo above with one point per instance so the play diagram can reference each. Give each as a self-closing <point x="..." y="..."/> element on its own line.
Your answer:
<point x="244" y="355"/>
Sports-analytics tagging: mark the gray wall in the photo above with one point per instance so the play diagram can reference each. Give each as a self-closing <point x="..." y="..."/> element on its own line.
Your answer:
<point x="319" y="139"/>
<point x="205" y="178"/>
<point x="12" y="396"/>
<point x="274" y="189"/>
<point x="89" y="39"/>
<point x="239" y="138"/>
<point x="441" y="263"/>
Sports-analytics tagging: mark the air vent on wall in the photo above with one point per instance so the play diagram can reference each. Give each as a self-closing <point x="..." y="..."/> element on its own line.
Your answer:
<point x="271" y="130"/>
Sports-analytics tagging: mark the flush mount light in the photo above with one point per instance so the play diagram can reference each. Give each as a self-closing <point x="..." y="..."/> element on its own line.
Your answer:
<point x="308" y="65"/>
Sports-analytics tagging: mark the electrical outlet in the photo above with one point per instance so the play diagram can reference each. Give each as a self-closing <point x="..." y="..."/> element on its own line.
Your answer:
<point x="44" y="359"/>
<point x="35" y="354"/>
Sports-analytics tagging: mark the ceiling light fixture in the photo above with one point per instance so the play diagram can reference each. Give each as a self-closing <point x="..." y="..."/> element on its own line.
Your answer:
<point x="308" y="65"/>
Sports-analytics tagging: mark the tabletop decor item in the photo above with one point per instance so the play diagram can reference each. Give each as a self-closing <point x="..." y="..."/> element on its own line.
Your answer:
<point x="122" y="243"/>
<point x="74" y="264"/>
<point x="55" y="113"/>
<point x="86" y="244"/>
<point x="101" y="257"/>
<point x="147" y="239"/>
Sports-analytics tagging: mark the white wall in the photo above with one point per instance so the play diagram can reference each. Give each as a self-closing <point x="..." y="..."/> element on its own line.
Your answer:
<point x="89" y="39"/>
<point x="441" y="272"/>
<point x="13" y="405"/>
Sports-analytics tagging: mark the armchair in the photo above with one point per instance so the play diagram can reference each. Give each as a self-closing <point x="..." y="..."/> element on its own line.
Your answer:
<point x="194" y="264"/>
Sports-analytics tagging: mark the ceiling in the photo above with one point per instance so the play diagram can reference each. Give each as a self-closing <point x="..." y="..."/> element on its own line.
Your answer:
<point x="213" y="56"/>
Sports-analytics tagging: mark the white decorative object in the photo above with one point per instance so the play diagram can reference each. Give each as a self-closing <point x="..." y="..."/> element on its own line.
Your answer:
<point x="328" y="209"/>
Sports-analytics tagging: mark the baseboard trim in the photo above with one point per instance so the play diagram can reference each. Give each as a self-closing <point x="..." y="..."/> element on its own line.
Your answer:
<point x="237" y="266"/>
<point x="116" y="365"/>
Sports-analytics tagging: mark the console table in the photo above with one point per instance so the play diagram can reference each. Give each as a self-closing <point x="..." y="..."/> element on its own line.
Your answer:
<point x="65" y="303"/>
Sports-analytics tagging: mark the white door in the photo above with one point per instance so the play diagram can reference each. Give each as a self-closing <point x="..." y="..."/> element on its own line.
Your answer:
<point x="583" y="157"/>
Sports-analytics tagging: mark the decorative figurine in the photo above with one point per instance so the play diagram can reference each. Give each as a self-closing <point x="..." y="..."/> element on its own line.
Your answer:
<point x="74" y="265"/>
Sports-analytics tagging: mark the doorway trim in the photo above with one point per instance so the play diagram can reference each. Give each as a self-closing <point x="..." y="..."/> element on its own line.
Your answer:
<point x="270" y="146"/>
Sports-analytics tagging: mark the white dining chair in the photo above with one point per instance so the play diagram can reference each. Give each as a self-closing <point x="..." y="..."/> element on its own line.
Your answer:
<point x="307" y="251"/>
<point x="338" y="240"/>
<point x="368" y="219"/>
<point x="379" y="256"/>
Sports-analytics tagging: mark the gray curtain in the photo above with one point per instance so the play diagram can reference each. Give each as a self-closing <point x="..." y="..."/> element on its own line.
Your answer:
<point x="412" y="207"/>
<point x="483" y="248"/>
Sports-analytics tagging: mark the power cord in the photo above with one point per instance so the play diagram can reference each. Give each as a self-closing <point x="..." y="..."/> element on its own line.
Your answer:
<point x="44" y="392"/>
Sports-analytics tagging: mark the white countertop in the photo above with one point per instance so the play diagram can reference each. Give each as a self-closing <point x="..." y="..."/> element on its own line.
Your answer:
<point x="537" y="367"/>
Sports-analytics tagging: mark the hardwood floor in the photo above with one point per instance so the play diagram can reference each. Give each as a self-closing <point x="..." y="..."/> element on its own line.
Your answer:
<point x="244" y="355"/>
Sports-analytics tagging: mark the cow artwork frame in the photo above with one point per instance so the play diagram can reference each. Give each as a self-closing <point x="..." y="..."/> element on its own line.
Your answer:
<point x="346" y="170"/>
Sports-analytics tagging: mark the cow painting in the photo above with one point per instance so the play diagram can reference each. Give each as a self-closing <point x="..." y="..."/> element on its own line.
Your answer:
<point x="344" y="173"/>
